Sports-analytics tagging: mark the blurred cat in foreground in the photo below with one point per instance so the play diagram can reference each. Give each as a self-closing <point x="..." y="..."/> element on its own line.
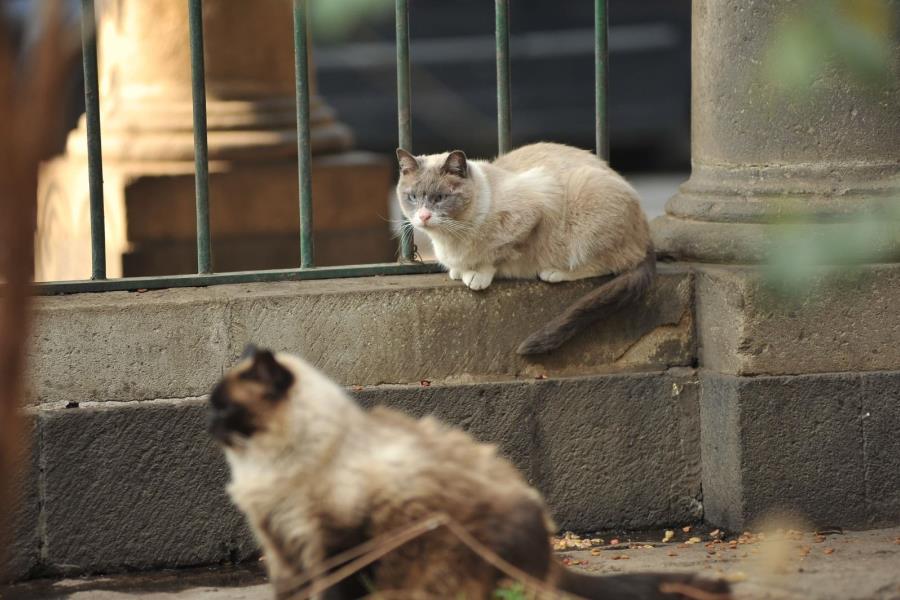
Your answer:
<point x="316" y="476"/>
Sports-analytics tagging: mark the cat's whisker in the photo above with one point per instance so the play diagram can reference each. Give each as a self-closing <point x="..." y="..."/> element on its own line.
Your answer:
<point x="404" y="226"/>
<point x="457" y="229"/>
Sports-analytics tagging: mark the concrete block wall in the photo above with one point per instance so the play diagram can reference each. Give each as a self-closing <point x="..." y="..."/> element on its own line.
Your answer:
<point x="711" y="399"/>
<point x="800" y="401"/>
<point x="608" y="428"/>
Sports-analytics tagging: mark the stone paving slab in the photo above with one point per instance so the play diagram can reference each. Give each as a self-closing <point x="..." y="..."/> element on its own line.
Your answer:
<point x="863" y="565"/>
<point x="850" y="566"/>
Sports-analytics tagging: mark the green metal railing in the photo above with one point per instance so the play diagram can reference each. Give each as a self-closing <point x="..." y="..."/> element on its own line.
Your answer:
<point x="201" y="144"/>
<point x="307" y="269"/>
<point x="501" y="27"/>
<point x="601" y="78"/>
<point x="404" y="110"/>
<point x="92" y="116"/>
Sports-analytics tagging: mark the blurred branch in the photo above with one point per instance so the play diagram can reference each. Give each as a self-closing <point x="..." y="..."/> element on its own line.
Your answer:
<point x="31" y="85"/>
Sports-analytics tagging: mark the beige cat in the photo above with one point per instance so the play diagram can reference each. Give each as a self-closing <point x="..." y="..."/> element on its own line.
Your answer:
<point x="544" y="210"/>
<point x="316" y="475"/>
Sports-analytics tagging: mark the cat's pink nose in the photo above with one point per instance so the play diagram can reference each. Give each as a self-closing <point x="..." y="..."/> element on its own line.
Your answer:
<point x="424" y="214"/>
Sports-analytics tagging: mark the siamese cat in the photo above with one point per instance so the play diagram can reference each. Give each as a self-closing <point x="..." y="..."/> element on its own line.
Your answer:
<point x="545" y="210"/>
<point x="316" y="475"/>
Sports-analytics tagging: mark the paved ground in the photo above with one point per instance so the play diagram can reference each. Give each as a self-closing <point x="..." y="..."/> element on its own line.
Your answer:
<point x="833" y="566"/>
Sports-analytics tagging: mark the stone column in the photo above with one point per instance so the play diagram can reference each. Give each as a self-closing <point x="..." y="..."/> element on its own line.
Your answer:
<point x="148" y="150"/>
<point x="760" y="156"/>
<point x="799" y="407"/>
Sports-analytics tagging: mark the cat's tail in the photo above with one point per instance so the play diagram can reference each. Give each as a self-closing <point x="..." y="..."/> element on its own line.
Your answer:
<point x="641" y="586"/>
<point x="621" y="290"/>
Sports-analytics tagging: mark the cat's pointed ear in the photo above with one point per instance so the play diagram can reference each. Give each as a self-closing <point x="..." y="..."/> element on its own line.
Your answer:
<point x="408" y="163"/>
<point x="456" y="164"/>
<point x="266" y="369"/>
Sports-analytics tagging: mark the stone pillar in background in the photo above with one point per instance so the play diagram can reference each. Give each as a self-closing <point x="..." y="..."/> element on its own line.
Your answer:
<point x="760" y="157"/>
<point x="148" y="152"/>
<point x="813" y="431"/>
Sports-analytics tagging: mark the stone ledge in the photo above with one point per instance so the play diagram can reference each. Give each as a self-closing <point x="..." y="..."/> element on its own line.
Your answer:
<point x="174" y="343"/>
<point x="138" y="485"/>
<point x="823" y="448"/>
<point x="845" y="321"/>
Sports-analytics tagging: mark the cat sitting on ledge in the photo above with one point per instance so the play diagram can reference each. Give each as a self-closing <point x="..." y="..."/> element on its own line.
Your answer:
<point x="546" y="211"/>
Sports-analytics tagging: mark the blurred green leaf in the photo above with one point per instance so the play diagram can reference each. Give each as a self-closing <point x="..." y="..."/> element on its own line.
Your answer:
<point x="798" y="253"/>
<point x="851" y="38"/>
<point x="794" y="59"/>
<point x="336" y="19"/>
<point x="515" y="591"/>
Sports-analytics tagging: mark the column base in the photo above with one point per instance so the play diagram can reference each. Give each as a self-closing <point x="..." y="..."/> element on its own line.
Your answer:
<point x="748" y="214"/>
<point x="254" y="215"/>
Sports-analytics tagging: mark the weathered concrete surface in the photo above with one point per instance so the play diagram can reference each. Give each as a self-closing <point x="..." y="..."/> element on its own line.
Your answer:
<point x="860" y="566"/>
<point x="141" y="485"/>
<point x="612" y="451"/>
<point x="621" y="455"/>
<point x="135" y="486"/>
<point x="19" y="558"/>
<point x="844" y="321"/>
<point x="821" y="447"/>
<point x="144" y="346"/>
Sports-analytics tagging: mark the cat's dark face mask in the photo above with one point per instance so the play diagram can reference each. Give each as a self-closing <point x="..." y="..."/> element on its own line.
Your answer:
<point x="242" y="403"/>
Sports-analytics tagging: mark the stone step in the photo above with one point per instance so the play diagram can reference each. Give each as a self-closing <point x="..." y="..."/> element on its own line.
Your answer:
<point x="139" y="485"/>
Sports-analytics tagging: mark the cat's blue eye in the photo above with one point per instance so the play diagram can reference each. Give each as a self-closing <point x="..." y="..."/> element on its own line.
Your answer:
<point x="409" y="199"/>
<point x="437" y="198"/>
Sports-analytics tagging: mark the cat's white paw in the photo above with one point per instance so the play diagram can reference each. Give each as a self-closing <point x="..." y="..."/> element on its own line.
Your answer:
<point x="455" y="274"/>
<point x="477" y="280"/>
<point x="553" y="276"/>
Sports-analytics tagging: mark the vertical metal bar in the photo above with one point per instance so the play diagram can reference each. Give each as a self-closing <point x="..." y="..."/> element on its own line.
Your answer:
<point x="601" y="78"/>
<point x="304" y="160"/>
<point x="94" y="147"/>
<point x="404" y="114"/>
<point x="201" y="150"/>
<point x="502" y="39"/>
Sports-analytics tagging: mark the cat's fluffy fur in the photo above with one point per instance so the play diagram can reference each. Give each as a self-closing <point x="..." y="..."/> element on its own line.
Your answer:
<point x="545" y="210"/>
<point x="316" y="475"/>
